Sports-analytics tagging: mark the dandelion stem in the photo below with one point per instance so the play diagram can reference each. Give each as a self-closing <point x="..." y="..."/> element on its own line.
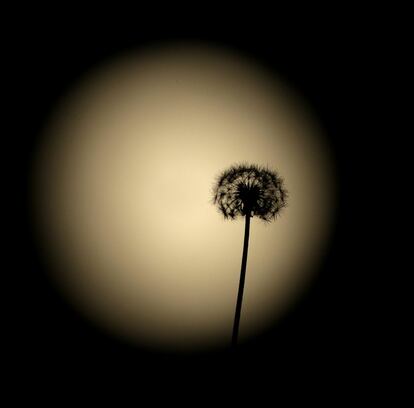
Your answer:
<point x="242" y="278"/>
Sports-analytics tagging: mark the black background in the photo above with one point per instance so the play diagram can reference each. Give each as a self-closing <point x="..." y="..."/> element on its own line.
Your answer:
<point x="327" y="58"/>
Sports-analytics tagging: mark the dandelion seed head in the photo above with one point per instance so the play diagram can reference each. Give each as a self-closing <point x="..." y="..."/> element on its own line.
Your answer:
<point x="250" y="189"/>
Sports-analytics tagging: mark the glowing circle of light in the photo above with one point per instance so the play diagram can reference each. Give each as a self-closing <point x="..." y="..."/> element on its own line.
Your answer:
<point x="122" y="184"/>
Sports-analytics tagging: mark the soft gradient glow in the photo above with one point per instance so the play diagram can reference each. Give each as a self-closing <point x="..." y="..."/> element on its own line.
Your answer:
<point x="122" y="196"/>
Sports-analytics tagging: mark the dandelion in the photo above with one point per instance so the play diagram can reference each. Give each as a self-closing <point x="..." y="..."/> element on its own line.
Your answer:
<point x="248" y="191"/>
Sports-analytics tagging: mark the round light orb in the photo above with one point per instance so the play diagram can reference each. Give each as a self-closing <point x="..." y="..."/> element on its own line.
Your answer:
<point x="122" y="196"/>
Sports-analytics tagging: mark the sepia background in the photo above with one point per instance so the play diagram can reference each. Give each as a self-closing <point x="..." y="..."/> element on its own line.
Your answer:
<point x="121" y="187"/>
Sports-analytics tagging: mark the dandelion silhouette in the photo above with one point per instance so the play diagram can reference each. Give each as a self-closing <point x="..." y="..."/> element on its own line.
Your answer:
<point x="248" y="191"/>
